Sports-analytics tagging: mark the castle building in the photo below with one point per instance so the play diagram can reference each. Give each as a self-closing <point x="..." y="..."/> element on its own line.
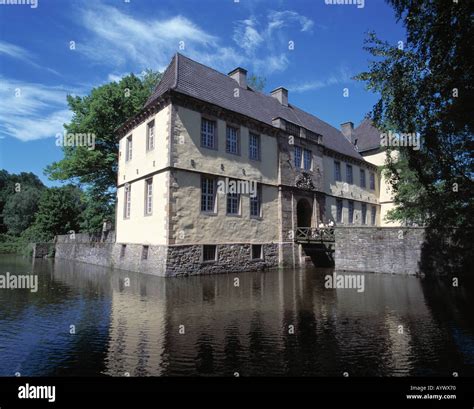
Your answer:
<point x="217" y="177"/>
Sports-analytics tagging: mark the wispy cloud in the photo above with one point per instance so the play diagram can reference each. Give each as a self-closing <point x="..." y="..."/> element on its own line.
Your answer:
<point x="32" y="111"/>
<point x="342" y="76"/>
<point x="20" y="53"/>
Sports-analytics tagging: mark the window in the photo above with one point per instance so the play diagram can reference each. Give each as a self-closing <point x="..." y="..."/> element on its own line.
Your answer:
<point x="373" y="215"/>
<point x="208" y="134"/>
<point x="339" y="210"/>
<point x="209" y="253"/>
<point x="232" y="140"/>
<point x="349" y="178"/>
<point x="298" y="156"/>
<point x="351" y="212"/>
<point x="148" y="196"/>
<point x="127" y="201"/>
<point x="144" y="252"/>
<point x="337" y="171"/>
<point x="128" y="148"/>
<point x="257" y="253"/>
<point x="122" y="250"/>
<point x="254" y="146"/>
<point x="292" y="129"/>
<point x="307" y="159"/>
<point x="372" y="180"/>
<point x="233" y="203"/>
<point x="362" y="178"/>
<point x="256" y="203"/>
<point x="208" y="194"/>
<point x="364" y="213"/>
<point x="150" y="136"/>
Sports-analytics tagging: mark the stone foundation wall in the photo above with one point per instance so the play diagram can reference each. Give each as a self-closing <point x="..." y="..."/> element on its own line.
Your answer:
<point x="394" y="250"/>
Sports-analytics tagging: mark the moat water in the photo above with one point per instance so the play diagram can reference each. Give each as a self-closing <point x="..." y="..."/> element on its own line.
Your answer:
<point x="89" y="320"/>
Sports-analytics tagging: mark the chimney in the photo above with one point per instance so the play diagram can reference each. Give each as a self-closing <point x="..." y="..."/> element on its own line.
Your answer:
<point x="281" y="94"/>
<point x="240" y="75"/>
<point x="346" y="129"/>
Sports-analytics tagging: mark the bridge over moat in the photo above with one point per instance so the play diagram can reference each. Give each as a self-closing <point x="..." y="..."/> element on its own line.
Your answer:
<point x="308" y="235"/>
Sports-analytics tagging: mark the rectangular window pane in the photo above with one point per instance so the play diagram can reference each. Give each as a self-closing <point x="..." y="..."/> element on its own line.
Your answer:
<point x="232" y="140"/>
<point x="233" y="202"/>
<point x="364" y="213"/>
<point x="207" y="194"/>
<point x="127" y="202"/>
<point x="148" y="196"/>
<point x="128" y="148"/>
<point x="351" y="212"/>
<point x="150" y="141"/>
<point x="339" y="210"/>
<point x="257" y="252"/>
<point x="372" y="181"/>
<point x="209" y="253"/>
<point x="298" y="153"/>
<point x="256" y="203"/>
<point x="337" y="171"/>
<point x="362" y="178"/>
<point x="349" y="178"/>
<point x="307" y="157"/>
<point x="208" y="129"/>
<point x="254" y="146"/>
<point x="373" y="215"/>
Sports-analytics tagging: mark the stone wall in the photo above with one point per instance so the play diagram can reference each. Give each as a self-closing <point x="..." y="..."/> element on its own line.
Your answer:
<point x="394" y="250"/>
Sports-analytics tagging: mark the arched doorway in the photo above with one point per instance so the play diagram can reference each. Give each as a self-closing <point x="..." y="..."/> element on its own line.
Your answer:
<point x="304" y="212"/>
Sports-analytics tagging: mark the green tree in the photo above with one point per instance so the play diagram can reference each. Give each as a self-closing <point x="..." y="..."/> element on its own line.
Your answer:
<point x="426" y="86"/>
<point x="100" y="114"/>
<point x="60" y="211"/>
<point x="20" y="209"/>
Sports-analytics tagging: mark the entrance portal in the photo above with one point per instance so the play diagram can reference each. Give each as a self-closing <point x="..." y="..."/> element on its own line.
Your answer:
<point x="304" y="212"/>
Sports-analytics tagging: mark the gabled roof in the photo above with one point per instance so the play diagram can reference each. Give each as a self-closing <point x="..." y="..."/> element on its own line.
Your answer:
<point x="367" y="135"/>
<point x="204" y="83"/>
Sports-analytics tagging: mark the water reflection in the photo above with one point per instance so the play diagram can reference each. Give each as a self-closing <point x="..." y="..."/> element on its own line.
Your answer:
<point x="273" y="323"/>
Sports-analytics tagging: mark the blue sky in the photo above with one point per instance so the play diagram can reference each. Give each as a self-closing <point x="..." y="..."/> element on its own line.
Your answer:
<point x="39" y="66"/>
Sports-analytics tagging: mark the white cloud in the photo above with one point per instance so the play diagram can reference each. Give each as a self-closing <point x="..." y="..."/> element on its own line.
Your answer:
<point x="32" y="111"/>
<point x="340" y="77"/>
<point x="279" y="19"/>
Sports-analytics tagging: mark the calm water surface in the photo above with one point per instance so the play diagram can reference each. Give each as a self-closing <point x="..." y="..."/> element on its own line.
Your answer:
<point x="227" y="329"/>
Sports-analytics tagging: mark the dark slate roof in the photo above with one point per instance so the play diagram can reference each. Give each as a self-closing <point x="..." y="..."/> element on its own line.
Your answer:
<point x="367" y="135"/>
<point x="199" y="81"/>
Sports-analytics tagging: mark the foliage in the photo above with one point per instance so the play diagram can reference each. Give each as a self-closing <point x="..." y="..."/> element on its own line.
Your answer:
<point x="20" y="208"/>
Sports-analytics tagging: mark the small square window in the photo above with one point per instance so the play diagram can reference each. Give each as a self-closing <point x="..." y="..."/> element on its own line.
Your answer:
<point x="257" y="253"/>
<point x="209" y="253"/>
<point x="144" y="252"/>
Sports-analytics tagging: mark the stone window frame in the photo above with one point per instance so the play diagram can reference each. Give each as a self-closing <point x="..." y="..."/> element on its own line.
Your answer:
<point x="362" y="177"/>
<point x="123" y="248"/>
<point x="237" y="196"/>
<point x="363" y="213"/>
<point x="212" y="212"/>
<point x="262" y="253"/>
<point x="238" y="139"/>
<point x="148" y="197"/>
<point x="203" y="252"/>
<point x="216" y="133"/>
<point x="298" y="164"/>
<point x="372" y="180"/>
<point x="145" y="252"/>
<point x="349" y="174"/>
<point x="150" y="125"/>
<point x="373" y="215"/>
<point x="305" y="151"/>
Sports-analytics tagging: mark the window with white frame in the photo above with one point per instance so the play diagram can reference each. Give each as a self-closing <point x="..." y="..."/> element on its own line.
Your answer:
<point x="150" y="136"/>
<point x="208" y="133"/>
<point x="298" y="154"/>
<point x="127" y="201"/>
<point x="208" y="194"/>
<point x="232" y="140"/>
<point x="148" y="196"/>
<point x="307" y="159"/>
<point x="233" y="203"/>
<point x="128" y="148"/>
<point x="254" y="146"/>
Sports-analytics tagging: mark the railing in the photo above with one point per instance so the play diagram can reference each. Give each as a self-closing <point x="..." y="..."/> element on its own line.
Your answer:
<point x="314" y="235"/>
